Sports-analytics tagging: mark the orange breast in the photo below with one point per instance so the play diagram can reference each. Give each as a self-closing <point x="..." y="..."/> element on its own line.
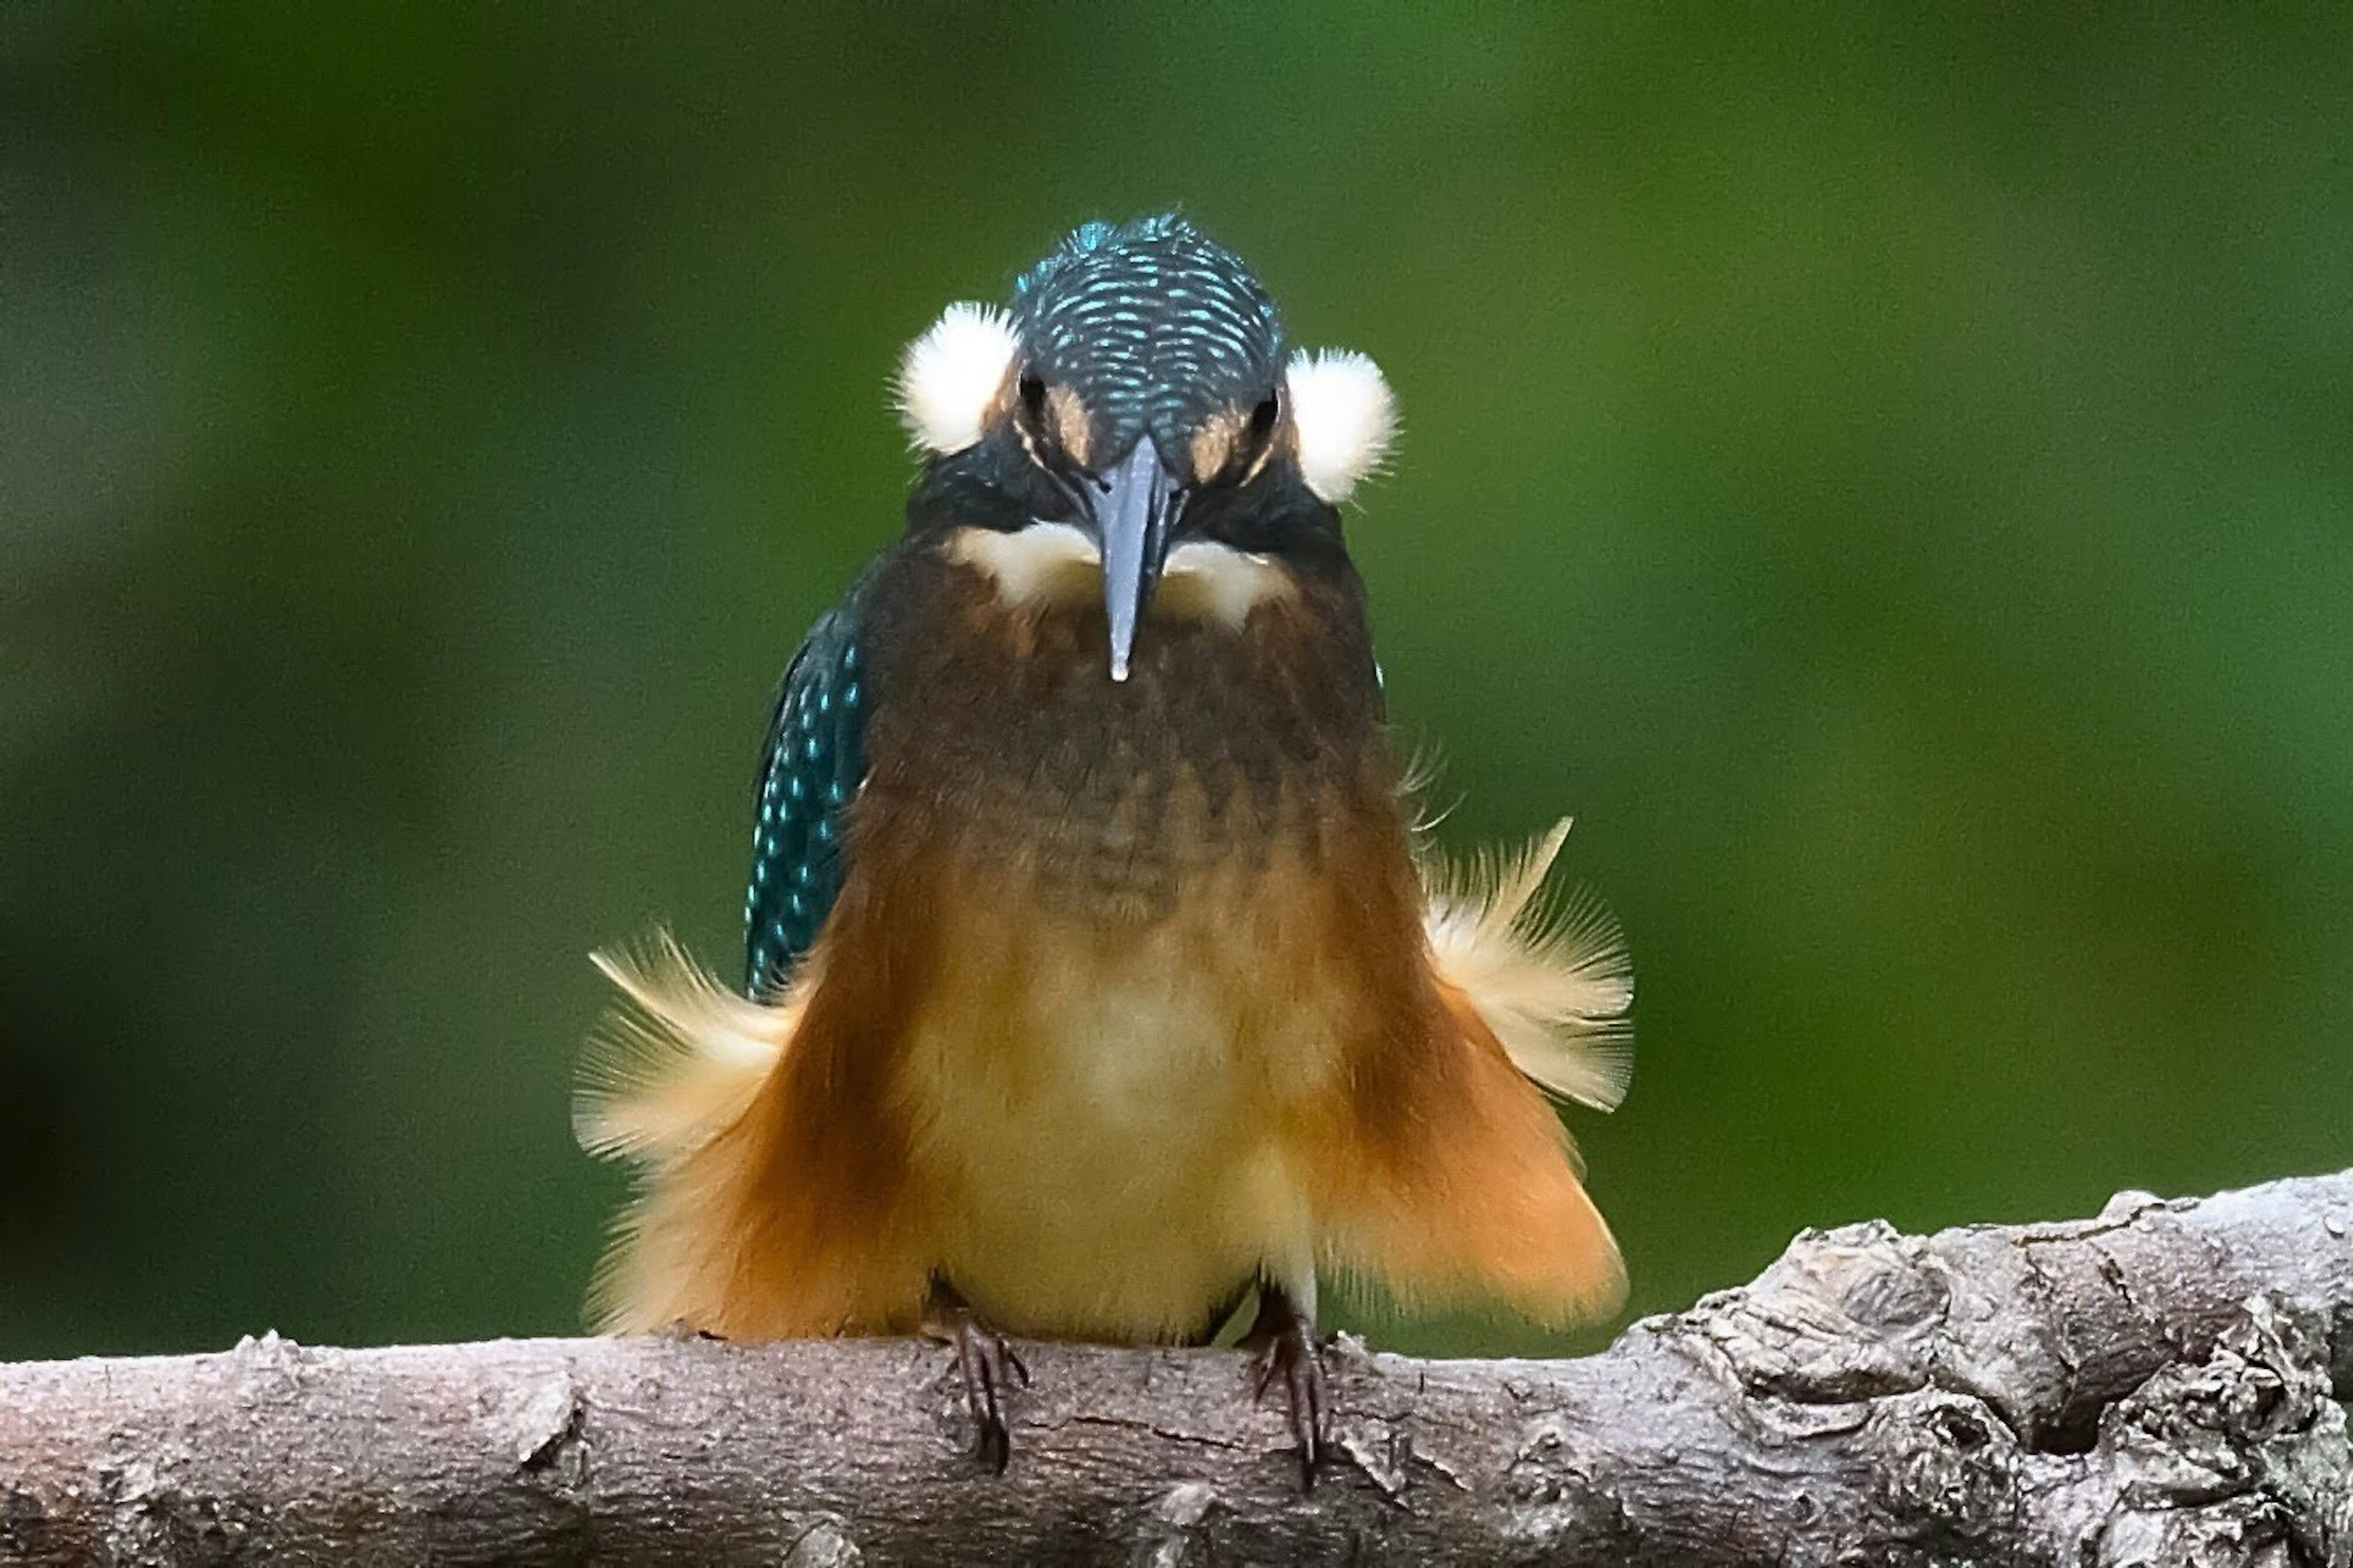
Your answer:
<point x="1124" y="1001"/>
<point x="1105" y="1118"/>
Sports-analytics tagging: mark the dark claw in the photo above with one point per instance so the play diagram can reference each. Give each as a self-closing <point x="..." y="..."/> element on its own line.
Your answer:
<point x="988" y="1364"/>
<point x="1282" y="1342"/>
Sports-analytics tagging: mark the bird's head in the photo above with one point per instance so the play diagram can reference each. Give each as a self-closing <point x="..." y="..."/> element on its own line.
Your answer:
<point x="1136" y="425"/>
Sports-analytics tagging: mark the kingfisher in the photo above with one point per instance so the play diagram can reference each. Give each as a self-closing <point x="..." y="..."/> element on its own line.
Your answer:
<point x="1102" y="983"/>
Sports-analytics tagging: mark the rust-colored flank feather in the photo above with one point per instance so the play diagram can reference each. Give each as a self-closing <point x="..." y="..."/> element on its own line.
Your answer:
<point x="1133" y="994"/>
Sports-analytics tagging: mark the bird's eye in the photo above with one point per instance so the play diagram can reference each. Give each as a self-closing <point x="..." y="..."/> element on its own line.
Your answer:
<point x="1263" y="417"/>
<point x="1034" y="424"/>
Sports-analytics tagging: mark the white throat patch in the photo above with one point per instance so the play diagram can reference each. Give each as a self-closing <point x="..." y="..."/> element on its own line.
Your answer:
<point x="1048" y="565"/>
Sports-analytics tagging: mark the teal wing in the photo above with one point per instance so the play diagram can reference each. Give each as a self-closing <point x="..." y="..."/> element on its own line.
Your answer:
<point x="811" y="768"/>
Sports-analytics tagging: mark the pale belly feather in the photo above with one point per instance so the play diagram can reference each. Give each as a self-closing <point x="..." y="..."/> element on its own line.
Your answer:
<point x="1109" y="1117"/>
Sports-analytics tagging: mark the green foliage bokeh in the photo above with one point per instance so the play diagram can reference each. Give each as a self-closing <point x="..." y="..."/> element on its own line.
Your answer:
<point x="1886" y="475"/>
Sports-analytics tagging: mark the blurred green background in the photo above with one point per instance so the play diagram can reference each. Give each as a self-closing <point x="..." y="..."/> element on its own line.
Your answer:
<point x="1887" y="474"/>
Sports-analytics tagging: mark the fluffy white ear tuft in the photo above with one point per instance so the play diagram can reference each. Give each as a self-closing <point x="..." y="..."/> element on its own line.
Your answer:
<point x="1345" y="417"/>
<point x="948" y="375"/>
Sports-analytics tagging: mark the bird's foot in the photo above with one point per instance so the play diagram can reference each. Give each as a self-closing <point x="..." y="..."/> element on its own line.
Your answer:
<point x="987" y="1361"/>
<point x="1281" y="1341"/>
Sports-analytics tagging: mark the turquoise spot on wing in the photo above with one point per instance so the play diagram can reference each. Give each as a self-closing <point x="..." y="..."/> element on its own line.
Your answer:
<point x="809" y="774"/>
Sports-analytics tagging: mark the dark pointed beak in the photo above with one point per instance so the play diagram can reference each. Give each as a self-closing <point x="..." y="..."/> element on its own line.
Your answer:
<point x="1134" y="515"/>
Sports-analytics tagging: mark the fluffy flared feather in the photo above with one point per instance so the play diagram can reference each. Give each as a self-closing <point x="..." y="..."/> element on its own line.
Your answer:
<point x="675" y="1066"/>
<point x="671" y="1080"/>
<point x="678" y="1060"/>
<point x="1553" y="981"/>
<point x="684" y="1055"/>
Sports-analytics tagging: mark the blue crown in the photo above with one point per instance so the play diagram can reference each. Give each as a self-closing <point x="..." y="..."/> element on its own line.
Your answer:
<point x="1152" y="321"/>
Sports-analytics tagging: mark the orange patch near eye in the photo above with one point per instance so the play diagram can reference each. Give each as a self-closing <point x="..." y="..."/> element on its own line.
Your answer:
<point x="1072" y="426"/>
<point x="1215" y="443"/>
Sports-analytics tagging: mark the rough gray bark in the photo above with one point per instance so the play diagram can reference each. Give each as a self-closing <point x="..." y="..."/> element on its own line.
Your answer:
<point x="2159" y="1385"/>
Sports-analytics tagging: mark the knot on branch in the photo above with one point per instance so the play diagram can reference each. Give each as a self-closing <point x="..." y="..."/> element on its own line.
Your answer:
<point x="2217" y="1460"/>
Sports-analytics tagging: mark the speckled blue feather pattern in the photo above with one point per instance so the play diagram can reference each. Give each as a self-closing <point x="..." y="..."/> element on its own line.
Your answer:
<point x="812" y="766"/>
<point x="1150" y="323"/>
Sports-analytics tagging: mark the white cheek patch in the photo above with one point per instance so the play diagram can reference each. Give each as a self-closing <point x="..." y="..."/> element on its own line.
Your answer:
<point x="948" y="377"/>
<point x="1345" y="417"/>
<point x="1043" y="564"/>
<point x="1203" y="581"/>
<point x="1051" y="565"/>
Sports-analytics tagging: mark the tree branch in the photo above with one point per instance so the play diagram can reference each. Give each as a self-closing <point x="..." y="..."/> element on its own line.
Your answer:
<point x="2158" y="1384"/>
